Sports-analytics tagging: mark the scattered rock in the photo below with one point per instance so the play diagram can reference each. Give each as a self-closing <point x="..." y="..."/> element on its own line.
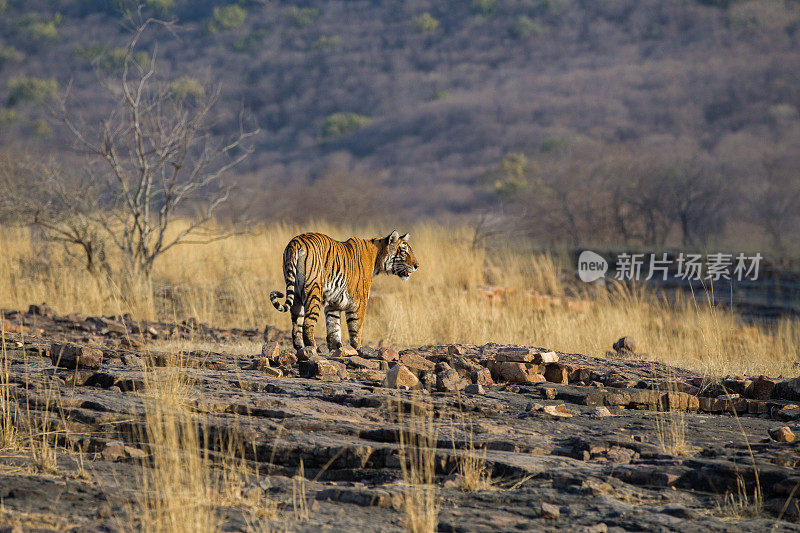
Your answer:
<point x="550" y="511"/>
<point x="40" y="310"/>
<point x="788" y="389"/>
<point x="474" y="388"/>
<point x="388" y="354"/>
<point x="456" y="349"/>
<point x="448" y="380"/>
<point x="525" y="355"/>
<point x="306" y="353"/>
<point x="481" y="377"/>
<point x="319" y="367"/>
<point x="558" y="411"/>
<point x="556" y="373"/>
<point x="273" y="372"/>
<point x="518" y="372"/>
<point x="400" y="377"/>
<point x="357" y="361"/>
<point x="73" y="356"/>
<point x="625" y="344"/>
<point x="416" y="362"/>
<point x="601" y="412"/>
<point x="781" y="434"/>
<point x="344" y="351"/>
<point x="762" y="388"/>
<point x="789" y="412"/>
<point x="549" y="393"/>
<point x="113" y="450"/>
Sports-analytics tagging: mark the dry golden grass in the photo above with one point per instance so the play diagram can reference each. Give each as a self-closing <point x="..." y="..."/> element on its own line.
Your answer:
<point x="417" y="436"/>
<point x="226" y="283"/>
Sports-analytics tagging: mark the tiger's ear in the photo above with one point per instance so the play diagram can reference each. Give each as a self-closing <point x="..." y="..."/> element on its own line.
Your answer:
<point x="394" y="237"/>
<point x="405" y="237"/>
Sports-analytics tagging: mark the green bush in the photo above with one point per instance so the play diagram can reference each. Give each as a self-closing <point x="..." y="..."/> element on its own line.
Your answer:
<point x="302" y="17"/>
<point x="425" y="23"/>
<point x="484" y="7"/>
<point x="162" y="7"/>
<point x="554" y="144"/>
<point x="110" y="58"/>
<point x="31" y="89"/>
<point x="227" y="18"/>
<point x="249" y="41"/>
<point x="41" y="128"/>
<point x="524" y="26"/>
<point x="42" y="32"/>
<point x="339" y="124"/>
<point x="3" y="5"/>
<point x="327" y="42"/>
<point x="7" y="116"/>
<point x="185" y="88"/>
<point x="513" y="175"/>
<point x="9" y="54"/>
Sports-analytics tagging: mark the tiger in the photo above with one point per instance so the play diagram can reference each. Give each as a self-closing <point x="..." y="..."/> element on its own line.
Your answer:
<point x="324" y="274"/>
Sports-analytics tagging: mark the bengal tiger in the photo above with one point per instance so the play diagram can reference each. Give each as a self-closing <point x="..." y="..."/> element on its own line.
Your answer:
<point x="321" y="272"/>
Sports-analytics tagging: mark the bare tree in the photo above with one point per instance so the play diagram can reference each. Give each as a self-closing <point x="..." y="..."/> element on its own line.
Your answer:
<point x="775" y="206"/>
<point x="150" y="160"/>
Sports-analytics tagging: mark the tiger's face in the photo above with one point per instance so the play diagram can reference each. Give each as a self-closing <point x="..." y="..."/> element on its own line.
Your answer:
<point x="398" y="257"/>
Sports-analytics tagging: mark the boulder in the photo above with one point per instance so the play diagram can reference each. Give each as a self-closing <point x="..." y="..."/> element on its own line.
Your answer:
<point x="448" y="380"/>
<point x="416" y="362"/>
<point x="762" y="388"/>
<point x="400" y="377"/>
<point x="456" y="349"/>
<point x="550" y="511"/>
<point x="518" y="372"/>
<point x="788" y="389"/>
<point x="387" y="354"/>
<point x="525" y="355"/>
<point x="344" y="351"/>
<point x="73" y="356"/>
<point x="357" y="361"/>
<point x="319" y="367"/>
<point x="556" y="373"/>
<point x="781" y="434"/>
<point x="306" y="353"/>
<point x="474" y="388"/>
<point x="625" y="344"/>
<point x="40" y="310"/>
<point x="481" y="377"/>
<point x="558" y="411"/>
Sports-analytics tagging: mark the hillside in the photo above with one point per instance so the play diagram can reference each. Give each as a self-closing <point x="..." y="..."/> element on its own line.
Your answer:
<point x="407" y="105"/>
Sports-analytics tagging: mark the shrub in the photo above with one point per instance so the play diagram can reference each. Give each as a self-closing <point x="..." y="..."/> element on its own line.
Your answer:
<point x="484" y="7"/>
<point x="513" y="175"/>
<point x="109" y="59"/>
<point x="782" y="112"/>
<point x="250" y="40"/>
<point x="227" y="18"/>
<point x="7" y="116"/>
<point x="302" y="17"/>
<point x="425" y="23"/>
<point x="327" y="42"/>
<point x="524" y="26"/>
<point x="162" y="7"/>
<point x="29" y="88"/>
<point x="41" y="128"/>
<point x="3" y="5"/>
<point x="554" y="144"/>
<point x="9" y="54"/>
<point x="42" y="32"/>
<point x="339" y="124"/>
<point x="185" y="88"/>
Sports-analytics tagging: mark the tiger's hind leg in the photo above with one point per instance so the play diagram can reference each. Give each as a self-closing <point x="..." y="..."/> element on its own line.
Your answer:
<point x="355" y="319"/>
<point x="313" y="304"/>
<point x="334" y="327"/>
<point x="298" y="319"/>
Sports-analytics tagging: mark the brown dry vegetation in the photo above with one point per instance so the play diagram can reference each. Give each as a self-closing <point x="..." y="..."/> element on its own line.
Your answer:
<point x="226" y="283"/>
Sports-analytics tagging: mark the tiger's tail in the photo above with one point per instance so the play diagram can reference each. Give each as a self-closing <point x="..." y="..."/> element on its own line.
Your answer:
<point x="290" y="274"/>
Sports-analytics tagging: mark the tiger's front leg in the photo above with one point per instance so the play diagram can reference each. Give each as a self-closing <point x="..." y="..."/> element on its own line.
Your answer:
<point x="355" y="319"/>
<point x="334" y="328"/>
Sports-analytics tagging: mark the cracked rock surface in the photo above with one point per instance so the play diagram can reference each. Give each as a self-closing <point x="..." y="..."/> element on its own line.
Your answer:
<point x="571" y="442"/>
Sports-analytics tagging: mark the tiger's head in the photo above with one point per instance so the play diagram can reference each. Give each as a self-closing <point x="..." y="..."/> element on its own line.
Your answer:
<point x="395" y="256"/>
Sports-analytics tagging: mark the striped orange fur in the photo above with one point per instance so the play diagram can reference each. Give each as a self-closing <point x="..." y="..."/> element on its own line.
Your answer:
<point x="324" y="274"/>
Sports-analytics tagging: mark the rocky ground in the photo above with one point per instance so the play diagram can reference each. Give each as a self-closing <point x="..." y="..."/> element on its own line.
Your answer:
<point x="571" y="442"/>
